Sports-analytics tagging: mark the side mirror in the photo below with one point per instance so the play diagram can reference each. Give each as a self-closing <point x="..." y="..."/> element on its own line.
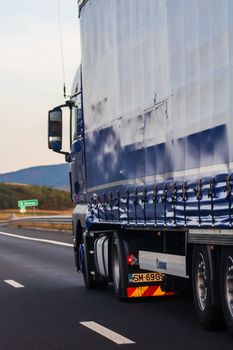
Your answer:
<point x="55" y="129"/>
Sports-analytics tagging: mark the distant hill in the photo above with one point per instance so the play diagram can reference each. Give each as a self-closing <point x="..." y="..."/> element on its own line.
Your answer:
<point x="48" y="198"/>
<point x="54" y="176"/>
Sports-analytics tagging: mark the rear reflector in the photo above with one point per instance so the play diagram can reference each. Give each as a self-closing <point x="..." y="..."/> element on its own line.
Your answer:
<point x="146" y="291"/>
<point x="132" y="260"/>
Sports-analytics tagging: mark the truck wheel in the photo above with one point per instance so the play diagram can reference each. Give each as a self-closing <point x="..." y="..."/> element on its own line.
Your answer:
<point x="85" y="262"/>
<point x="77" y="240"/>
<point x="76" y="258"/>
<point x="209" y="315"/>
<point x="226" y="286"/>
<point x="118" y="269"/>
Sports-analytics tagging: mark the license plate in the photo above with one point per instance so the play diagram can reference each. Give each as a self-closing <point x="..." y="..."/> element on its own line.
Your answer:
<point x="145" y="277"/>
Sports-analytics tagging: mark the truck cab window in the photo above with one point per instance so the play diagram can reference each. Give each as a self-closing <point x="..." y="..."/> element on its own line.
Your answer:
<point x="74" y="125"/>
<point x="77" y="123"/>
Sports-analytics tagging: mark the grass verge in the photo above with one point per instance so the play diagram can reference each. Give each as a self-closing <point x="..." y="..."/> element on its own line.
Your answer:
<point x="44" y="226"/>
<point x="7" y="214"/>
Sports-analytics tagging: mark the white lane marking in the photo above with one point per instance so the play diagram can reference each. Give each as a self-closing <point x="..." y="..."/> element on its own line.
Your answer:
<point x="107" y="333"/>
<point x="14" y="284"/>
<point x="36" y="239"/>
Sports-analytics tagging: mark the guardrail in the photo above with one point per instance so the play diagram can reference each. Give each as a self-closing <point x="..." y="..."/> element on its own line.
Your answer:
<point x="52" y="219"/>
<point x="4" y="222"/>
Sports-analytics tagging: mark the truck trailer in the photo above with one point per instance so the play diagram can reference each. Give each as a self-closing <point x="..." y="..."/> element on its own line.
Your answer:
<point x="151" y="151"/>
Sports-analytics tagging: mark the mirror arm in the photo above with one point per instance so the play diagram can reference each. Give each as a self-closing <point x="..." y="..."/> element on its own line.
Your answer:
<point x="66" y="154"/>
<point x="68" y="103"/>
<point x="75" y="95"/>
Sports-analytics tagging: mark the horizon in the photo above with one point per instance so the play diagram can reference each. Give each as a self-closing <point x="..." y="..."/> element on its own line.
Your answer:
<point x="31" y="70"/>
<point x="30" y="167"/>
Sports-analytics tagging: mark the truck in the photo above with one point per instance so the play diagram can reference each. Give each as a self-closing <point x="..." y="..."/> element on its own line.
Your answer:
<point x="151" y="151"/>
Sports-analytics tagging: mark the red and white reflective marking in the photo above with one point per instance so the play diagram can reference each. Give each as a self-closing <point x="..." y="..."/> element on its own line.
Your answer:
<point x="146" y="291"/>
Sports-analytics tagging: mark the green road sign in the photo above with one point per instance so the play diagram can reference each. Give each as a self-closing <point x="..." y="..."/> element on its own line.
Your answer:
<point x="28" y="203"/>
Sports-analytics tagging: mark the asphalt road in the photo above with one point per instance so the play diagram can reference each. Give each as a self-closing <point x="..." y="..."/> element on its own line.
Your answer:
<point x="43" y="301"/>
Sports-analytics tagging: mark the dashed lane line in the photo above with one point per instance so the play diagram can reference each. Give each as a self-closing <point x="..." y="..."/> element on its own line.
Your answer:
<point x="36" y="239"/>
<point x="107" y="333"/>
<point x="14" y="283"/>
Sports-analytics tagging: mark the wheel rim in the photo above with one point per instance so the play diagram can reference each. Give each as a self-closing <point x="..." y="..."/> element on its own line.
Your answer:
<point x="229" y="284"/>
<point x="201" y="289"/>
<point x="116" y="269"/>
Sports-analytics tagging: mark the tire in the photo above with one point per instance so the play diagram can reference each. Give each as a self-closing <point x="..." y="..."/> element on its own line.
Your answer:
<point x="77" y="240"/>
<point x="226" y="286"/>
<point x="208" y="313"/>
<point x="118" y="269"/>
<point x="76" y="258"/>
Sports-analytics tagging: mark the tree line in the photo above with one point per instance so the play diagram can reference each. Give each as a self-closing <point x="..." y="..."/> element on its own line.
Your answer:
<point x="48" y="198"/>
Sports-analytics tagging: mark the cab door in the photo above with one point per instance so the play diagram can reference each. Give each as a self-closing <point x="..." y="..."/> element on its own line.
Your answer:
<point x="78" y="164"/>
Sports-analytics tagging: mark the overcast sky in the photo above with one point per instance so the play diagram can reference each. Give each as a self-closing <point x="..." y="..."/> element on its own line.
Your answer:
<point x="31" y="76"/>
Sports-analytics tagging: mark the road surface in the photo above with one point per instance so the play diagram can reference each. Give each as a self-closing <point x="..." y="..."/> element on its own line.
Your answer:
<point x="43" y="305"/>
